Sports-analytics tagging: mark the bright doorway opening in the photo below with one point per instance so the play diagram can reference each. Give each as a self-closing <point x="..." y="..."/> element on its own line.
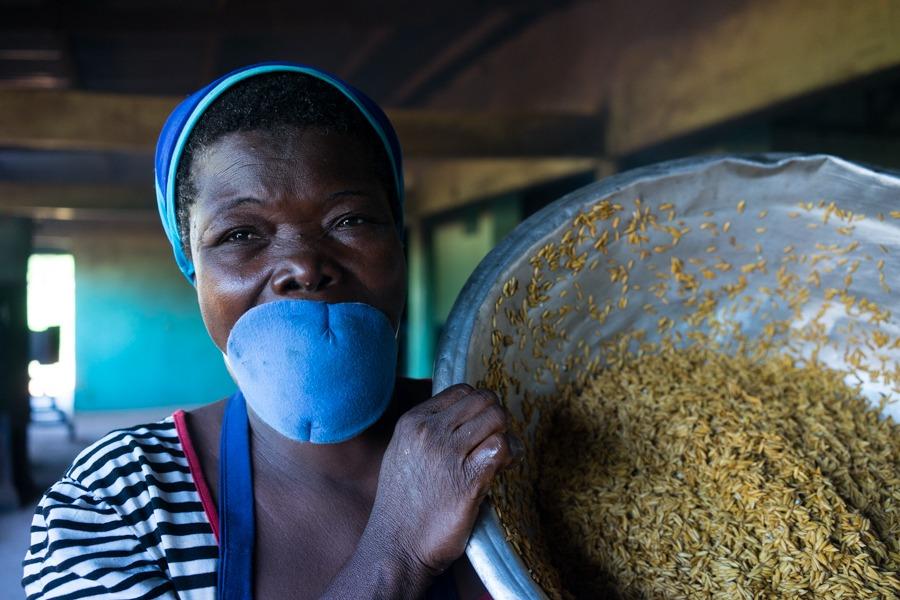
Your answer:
<point x="51" y="303"/>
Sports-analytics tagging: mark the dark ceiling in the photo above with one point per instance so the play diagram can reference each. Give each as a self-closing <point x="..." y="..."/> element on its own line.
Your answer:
<point x="400" y="52"/>
<point x="454" y="75"/>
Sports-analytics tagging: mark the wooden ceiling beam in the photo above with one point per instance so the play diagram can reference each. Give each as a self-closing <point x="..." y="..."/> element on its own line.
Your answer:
<point x="439" y="186"/>
<point x="78" y="202"/>
<point x="363" y="52"/>
<point x="432" y="133"/>
<point x="491" y="30"/>
<point x="67" y="120"/>
<point x="434" y="186"/>
<point x="756" y="57"/>
<point x="76" y="197"/>
<point x="55" y="119"/>
<point x="450" y="54"/>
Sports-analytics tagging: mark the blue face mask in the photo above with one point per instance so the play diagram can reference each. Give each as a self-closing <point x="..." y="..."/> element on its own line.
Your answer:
<point x="315" y="372"/>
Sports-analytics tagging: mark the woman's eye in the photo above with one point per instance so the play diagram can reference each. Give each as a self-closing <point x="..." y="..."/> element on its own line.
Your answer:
<point x="240" y="235"/>
<point x="351" y="221"/>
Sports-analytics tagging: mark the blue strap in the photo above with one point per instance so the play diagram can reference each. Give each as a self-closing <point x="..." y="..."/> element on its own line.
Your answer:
<point x="237" y="526"/>
<point x="236" y="515"/>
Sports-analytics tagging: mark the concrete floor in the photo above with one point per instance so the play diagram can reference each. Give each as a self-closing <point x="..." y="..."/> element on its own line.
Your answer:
<point x="51" y="454"/>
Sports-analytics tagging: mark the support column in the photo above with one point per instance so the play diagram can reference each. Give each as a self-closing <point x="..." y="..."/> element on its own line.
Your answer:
<point x="15" y="248"/>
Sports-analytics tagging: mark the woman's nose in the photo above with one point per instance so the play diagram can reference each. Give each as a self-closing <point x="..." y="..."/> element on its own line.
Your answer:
<point x="306" y="270"/>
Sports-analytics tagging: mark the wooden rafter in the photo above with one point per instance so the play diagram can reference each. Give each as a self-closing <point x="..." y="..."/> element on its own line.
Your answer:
<point x="437" y="186"/>
<point x="757" y="56"/>
<point x="86" y="121"/>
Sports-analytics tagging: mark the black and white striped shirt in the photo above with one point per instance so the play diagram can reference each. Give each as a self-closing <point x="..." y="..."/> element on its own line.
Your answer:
<point x="131" y="518"/>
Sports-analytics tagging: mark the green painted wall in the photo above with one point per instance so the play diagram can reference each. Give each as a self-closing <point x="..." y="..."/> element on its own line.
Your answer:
<point x="139" y="338"/>
<point x="458" y="246"/>
<point x="459" y="242"/>
<point x="444" y="250"/>
<point x="419" y="333"/>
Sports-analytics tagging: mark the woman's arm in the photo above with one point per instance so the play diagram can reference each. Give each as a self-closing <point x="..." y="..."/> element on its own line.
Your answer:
<point x="379" y="570"/>
<point x="435" y="473"/>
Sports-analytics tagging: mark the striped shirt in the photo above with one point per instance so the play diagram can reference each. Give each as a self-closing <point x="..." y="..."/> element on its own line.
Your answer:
<point x="131" y="518"/>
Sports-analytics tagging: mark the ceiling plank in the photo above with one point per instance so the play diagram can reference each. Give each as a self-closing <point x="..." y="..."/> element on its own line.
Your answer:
<point x="434" y="186"/>
<point x="756" y="57"/>
<point x="41" y="198"/>
<point x="45" y="120"/>
<point x="363" y="53"/>
<point x="54" y="119"/>
<point x="485" y="35"/>
<point x="432" y="133"/>
<point x="439" y="186"/>
<point x="452" y="57"/>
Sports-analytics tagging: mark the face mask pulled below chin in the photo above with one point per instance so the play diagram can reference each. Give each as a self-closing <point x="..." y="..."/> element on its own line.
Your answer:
<point x="315" y="372"/>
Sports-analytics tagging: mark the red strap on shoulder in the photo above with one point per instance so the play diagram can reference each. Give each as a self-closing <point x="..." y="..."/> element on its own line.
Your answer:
<point x="209" y="507"/>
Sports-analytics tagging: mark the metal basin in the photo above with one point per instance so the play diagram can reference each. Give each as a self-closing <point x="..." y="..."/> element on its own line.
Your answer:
<point x="775" y="206"/>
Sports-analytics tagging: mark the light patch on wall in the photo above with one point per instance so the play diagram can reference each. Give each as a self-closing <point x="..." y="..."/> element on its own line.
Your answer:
<point x="51" y="301"/>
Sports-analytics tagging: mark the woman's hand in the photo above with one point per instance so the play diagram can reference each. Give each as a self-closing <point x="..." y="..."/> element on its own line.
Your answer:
<point x="435" y="472"/>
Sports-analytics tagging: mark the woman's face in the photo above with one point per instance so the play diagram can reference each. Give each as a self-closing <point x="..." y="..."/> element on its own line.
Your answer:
<point x="294" y="214"/>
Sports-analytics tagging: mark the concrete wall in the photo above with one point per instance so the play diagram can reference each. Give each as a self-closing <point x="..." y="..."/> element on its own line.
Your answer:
<point x="140" y="341"/>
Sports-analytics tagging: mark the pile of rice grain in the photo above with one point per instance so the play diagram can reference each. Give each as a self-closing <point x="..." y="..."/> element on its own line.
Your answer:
<point x="694" y="474"/>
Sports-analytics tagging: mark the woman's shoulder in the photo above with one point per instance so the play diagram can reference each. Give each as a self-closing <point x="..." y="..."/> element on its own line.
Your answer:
<point x="147" y="452"/>
<point x="124" y="521"/>
<point x="137" y="479"/>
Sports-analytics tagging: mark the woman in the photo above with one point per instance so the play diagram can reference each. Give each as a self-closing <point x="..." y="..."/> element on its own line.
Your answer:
<point x="280" y="189"/>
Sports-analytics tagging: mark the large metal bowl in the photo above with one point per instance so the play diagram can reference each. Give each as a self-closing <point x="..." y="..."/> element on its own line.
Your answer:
<point x="771" y="221"/>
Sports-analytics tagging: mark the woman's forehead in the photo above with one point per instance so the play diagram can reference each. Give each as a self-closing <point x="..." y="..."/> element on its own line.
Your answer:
<point x="284" y="157"/>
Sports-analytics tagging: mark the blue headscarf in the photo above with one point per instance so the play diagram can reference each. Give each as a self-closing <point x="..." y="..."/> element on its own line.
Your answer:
<point x="180" y="124"/>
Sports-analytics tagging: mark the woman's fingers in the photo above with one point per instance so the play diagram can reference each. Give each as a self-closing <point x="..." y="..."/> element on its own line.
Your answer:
<point x="472" y="407"/>
<point x="470" y="425"/>
<point x="457" y="406"/>
<point x="469" y="402"/>
<point x="485" y="460"/>
<point x="444" y="400"/>
<point x="484" y="420"/>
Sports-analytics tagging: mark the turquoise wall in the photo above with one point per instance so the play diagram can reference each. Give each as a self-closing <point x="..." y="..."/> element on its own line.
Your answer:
<point x="139" y="338"/>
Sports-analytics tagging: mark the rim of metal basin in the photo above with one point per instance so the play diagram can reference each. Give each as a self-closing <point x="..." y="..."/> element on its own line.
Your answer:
<point x="493" y="557"/>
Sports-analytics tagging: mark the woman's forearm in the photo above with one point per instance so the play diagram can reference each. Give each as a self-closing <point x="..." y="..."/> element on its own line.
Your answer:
<point x="379" y="570"/>
<point x="434" y="475"/>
